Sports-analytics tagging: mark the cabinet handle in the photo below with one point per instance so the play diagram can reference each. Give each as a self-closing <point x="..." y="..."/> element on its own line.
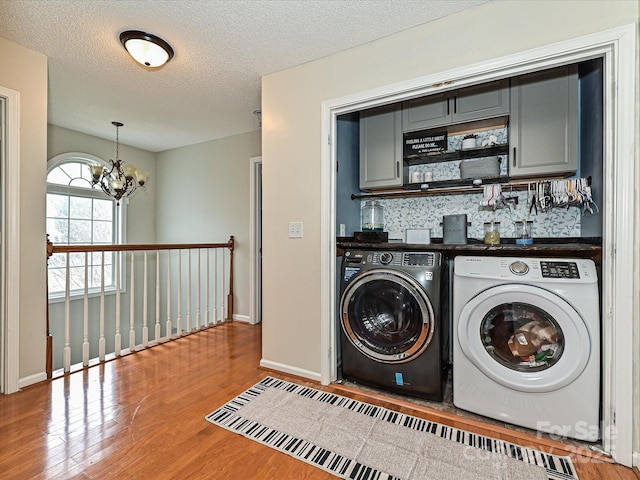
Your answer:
<point x="448" y="106"/>
<point x="397" y="169"/>
<point x="514" y="156"/>
<point x="455" y="105"/>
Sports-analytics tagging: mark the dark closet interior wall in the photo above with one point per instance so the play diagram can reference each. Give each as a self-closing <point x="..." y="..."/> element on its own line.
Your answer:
<point x="347" y="178"/>
<point x="591" y="140"/>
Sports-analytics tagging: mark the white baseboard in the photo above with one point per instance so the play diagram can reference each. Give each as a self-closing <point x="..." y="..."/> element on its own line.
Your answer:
<point x="636" y="459"/>
<point x="300" y="372"/>
<point x="31" y="379"/>
<point x="241" y="318"/>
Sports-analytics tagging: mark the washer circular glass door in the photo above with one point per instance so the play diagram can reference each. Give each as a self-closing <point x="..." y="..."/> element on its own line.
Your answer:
<point x="387" y="316"/>
<point x="524" y="337"/>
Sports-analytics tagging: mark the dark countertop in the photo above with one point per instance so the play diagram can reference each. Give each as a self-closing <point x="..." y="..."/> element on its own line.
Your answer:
<point x="542" y="247"/>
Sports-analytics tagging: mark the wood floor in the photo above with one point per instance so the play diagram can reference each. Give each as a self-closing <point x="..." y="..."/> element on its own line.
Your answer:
<point x="142" y="417"/>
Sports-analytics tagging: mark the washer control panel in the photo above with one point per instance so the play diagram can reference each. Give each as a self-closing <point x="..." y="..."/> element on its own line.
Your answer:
<point x="559" y="270"/>
<point x="519" y="268"/>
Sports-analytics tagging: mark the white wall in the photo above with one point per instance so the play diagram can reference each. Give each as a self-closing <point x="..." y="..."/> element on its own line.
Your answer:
<point x="292" y="138"/>
<point x="25" y="71"/>
<point x="207" y="199"/>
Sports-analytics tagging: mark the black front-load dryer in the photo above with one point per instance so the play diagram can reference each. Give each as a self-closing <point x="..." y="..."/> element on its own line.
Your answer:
<point x="393" y="334"/>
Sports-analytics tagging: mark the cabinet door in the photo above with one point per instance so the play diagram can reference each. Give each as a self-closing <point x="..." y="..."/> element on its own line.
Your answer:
<point x="543" y="126"/>
<point x="481" y="101"/>
<point x="381" y="147"/>
<point x="426" y="112"/>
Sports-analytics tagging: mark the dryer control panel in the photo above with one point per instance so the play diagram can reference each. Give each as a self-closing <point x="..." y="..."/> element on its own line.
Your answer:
<point x="418" y="259"/>
<point x="391" y="258"/>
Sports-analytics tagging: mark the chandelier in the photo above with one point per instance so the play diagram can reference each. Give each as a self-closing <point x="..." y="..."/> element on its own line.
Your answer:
<point x="121" y="180"/>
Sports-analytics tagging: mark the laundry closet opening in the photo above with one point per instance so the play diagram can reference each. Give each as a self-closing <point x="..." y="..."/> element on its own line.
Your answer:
<point x="534" y="130"/>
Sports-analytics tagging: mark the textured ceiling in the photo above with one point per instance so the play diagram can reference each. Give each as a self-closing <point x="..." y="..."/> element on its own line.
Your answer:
<point x="222" y="48"/>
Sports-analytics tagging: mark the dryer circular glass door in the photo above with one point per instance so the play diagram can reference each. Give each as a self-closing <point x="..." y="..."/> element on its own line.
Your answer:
<point x="524" y="337"/>
<point x="387" y="316"/>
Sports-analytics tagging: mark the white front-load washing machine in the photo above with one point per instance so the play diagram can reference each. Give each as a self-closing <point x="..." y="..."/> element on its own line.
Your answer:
<point x="526" y="347"/>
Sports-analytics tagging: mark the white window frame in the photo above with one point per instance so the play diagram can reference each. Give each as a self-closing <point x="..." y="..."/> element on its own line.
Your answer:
<point x="119" y="220"/>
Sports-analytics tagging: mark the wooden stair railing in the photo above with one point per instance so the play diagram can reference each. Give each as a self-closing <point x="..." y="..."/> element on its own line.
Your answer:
<point x="53" y="249"/>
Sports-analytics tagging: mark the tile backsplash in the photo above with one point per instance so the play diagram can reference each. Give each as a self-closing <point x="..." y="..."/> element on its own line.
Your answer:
<point x="427" y="212"/>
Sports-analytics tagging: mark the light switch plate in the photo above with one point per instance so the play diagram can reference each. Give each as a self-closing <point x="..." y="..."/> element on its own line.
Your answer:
<point x="295" y="229"/>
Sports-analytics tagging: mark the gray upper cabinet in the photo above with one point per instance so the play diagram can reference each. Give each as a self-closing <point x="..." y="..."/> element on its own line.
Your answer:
<point x="543" y="126"/>
<point x="381" y="147"/>
<point x="426" y="112"/>
<point x="481" y="101"/>
<point x="467" y="104"/>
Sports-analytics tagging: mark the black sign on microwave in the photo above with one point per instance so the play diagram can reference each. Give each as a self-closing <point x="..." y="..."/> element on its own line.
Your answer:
<point x="421" y="143"/>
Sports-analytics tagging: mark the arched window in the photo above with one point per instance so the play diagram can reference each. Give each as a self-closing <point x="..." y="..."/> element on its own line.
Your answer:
<point x="79" y="214"/>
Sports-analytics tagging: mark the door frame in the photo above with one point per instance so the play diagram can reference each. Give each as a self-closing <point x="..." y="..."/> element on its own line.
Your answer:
<point x="255" y="240"/>
<point x="10" y="244"/>
<point x="620" y="297"/>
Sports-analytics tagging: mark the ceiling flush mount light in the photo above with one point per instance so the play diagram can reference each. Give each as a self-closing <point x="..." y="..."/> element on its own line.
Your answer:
<point x="146" y="49"/>
<point x="120" y="180"/>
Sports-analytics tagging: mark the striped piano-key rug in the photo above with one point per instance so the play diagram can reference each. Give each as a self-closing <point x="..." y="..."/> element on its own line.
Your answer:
<point x="357" y="440"/>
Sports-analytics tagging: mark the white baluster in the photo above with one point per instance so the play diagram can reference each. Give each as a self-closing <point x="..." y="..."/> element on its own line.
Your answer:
<point x="179" y="317"/>
<point x="85" y="334"/>
<point x="224" y="289"/>
<point x="145" y="325"/>
<point x="102" y="344"/>
<point x="189" y="292"/>
<point x="169" y="327"/>
<point x="215" y="287"/>
<point x="118" y="335"/>
<point x="157" y="337"/>
<point x="132" y="325"/>
<point x="66" y="353"/>
<point x="198" y="319"/>
<point x="206" y="312"/>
